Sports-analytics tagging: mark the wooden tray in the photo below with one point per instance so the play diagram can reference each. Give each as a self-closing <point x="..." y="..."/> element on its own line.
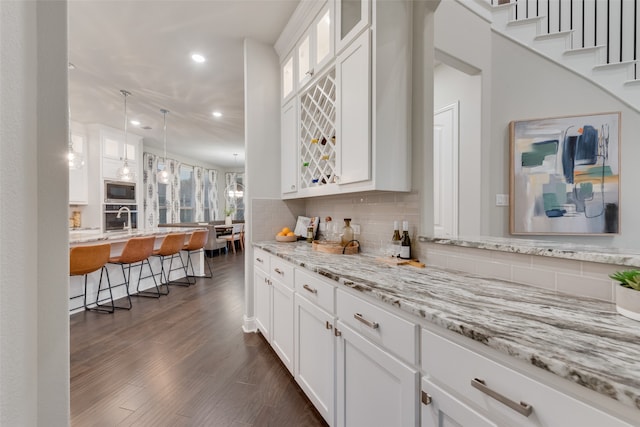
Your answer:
<point x="334" y="247"/>
<point x="400" y="261"/>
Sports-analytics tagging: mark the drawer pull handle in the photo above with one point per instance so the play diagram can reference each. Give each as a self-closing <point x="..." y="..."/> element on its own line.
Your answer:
<point x="372" y="325"/>
<point x="336" y="332"/>
<point x="310" y="289"/>
<point x="522" y="408"/>
<point x="426" y="398"/>
<point x="259" y="260"/>
<point x="277" y="270"/>
<point x="329" y="325"/>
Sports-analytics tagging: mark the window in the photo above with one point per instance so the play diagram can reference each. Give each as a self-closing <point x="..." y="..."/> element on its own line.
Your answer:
<point x="187" y="193"/>
<point x="207" y="186"/>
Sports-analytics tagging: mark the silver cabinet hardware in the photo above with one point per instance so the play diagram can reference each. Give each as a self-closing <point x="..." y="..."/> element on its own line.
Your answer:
<point x="293" y="187"/>
<point x="336" y="332"/>
<point x="259" y="260"/>
<point x="372" y="325"/>
<point x="426" y="398"/>
<point x="522" y="408"/>
<point x="310" y="72"/>
<point x="328" y="325"/>
<point x="277" y="270"/>
<point x="310" y="289"/>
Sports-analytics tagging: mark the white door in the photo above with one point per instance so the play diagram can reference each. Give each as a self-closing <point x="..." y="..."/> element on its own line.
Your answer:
<point x="262" y="287"/>
<point x="282" y="323"/>
<point x="314" y="356"/>
<point x="445" y="171"/>
<point x="373" y="388"/>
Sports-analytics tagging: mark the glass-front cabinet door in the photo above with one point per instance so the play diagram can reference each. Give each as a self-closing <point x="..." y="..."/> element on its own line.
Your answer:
<point x="288" y="78"/>
<point x="304" y="59"/>
<point x="352" y="16"/>
<point x="323" y="30"/>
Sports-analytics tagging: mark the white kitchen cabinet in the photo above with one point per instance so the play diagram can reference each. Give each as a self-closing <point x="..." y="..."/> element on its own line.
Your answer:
<point x="113" y="153"/>
<point x="442" y="409"/>
<point x="289" y="163"/>
<point x="352" y="16"/>
<point x="288" y="78"/>
<point x="315" y="355"/>
<point x="502" y="395"/>
<point x="79" y="178"/>
<point x="356" y="99"/>
<point x="353" y="106"/>
<point x="374" y="388"/>
<point x="263" y="301"/>
<point x="273" y="283"/>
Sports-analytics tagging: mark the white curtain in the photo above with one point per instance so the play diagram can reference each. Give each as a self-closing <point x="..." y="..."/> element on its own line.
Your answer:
<point x="198" y="184"/>
<point x="150" y="206"/>
<point x="173" y="192"/>
<point x="214" y="204"/>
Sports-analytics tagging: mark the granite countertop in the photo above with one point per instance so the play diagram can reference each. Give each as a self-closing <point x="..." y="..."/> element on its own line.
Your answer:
<point x="582" y="340"/>
<point x="79" y="237"/>
<point x="608" y="255"/>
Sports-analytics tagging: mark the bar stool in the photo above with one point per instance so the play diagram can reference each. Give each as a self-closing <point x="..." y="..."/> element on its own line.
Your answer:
<point x="196" y="243"/>
<point x="136" y="252"/>
<point x="87" y="259"/>
<point x="171" y="246"/>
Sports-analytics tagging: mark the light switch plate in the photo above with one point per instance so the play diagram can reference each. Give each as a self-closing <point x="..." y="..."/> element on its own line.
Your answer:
<point x="502" y="200"/>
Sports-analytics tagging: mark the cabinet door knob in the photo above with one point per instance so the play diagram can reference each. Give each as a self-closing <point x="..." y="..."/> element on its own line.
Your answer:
<point x="336" y="332"/>
<point x="369" y="323"/>
<point x="259" y="260"/>
<point x="426" y="398"/>
<point x="328" y="325"/>
<point x="521" y="407"/>
<point x="310" y="72"/>
<point x="293" y="187"/>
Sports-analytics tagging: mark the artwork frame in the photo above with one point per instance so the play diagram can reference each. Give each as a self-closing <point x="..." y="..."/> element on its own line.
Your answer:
<point x="565" y="175"/>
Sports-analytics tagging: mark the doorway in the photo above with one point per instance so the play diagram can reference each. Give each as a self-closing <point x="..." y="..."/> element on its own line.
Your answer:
<point x="445" y="171"/>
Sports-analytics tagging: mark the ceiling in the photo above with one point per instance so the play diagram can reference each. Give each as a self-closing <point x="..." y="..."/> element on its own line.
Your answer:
<point x="145" y="47"/>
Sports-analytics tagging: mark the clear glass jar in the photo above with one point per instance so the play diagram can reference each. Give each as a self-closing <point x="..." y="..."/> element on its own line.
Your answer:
<point x="347" y="232"/>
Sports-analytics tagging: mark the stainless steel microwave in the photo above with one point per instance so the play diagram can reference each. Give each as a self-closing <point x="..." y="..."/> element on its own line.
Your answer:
<point x="119" y="192"/>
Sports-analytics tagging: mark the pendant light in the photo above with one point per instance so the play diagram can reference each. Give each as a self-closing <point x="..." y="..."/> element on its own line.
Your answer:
<point x="76" y="160"/>
<point x="163" y="175"/>
<point x="125" y="173"/>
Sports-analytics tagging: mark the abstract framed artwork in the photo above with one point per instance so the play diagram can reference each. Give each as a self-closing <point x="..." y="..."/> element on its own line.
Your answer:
<point x="565" y="175"/>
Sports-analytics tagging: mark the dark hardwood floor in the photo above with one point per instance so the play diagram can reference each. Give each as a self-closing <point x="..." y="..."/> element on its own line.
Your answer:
<point x="182" y="360"/>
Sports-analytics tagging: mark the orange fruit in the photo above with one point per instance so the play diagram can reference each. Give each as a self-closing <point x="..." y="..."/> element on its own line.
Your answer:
<point x="286" y="230"/>
<point x="280" y="234"/>
<point x="291" y="233"/>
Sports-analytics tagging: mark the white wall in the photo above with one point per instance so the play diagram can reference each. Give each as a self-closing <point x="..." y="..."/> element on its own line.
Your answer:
<point x="451" y="85"/>
<point x="34" y="322"/>
<point x="262" y="144"/>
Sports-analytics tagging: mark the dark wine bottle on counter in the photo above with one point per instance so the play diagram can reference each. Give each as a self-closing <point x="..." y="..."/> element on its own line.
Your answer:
<point x="405" y="243"/>
<point x="395" y="240"/>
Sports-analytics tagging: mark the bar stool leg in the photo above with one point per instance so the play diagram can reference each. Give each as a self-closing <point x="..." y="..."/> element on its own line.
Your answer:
<point x="149" y="294"/>
<point x="99" y="307"/>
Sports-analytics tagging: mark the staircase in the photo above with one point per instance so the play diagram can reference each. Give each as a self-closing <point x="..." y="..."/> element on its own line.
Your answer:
<point x="597" y="39"/>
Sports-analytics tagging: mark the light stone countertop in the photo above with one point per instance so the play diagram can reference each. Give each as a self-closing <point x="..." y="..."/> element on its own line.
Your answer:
<point x="582" y="340"/>
<point x="603" y="254"/>
<point x="82" y="237"/>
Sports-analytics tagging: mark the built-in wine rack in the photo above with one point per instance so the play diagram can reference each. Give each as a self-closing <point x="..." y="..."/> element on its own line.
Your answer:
<point x="317" y="132"/>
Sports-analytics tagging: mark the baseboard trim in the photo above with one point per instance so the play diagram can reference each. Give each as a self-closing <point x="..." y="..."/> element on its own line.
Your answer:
<point x="249" y="325"/>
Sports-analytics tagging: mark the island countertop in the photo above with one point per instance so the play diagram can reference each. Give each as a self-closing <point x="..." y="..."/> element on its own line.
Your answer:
<point x="580" y="339"/>
<point x="83" y="237"/>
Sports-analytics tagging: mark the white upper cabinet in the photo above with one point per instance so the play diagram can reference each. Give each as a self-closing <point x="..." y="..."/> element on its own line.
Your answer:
<point x="289" y="151"/>
<point x="288" y="78"/>
<point x="79" y="178"/>
<point x="352" y="16"/>
<point x="323" y="31"/>
<point x="305" y="70"/>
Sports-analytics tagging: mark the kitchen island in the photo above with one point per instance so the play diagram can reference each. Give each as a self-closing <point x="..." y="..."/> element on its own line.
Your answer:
<point x="580" y="346"/>
<point x="117" y="240"/>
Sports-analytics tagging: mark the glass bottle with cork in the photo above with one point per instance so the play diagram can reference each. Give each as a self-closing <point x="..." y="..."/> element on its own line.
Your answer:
<point x="347" y="232"/>
<point x="405" y="243"/>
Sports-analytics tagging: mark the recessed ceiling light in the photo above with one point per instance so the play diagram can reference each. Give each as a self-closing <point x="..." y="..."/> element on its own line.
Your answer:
<point x="135" y="122"/>
<point x="197" y="57"/>
<point x="217" y="114"/>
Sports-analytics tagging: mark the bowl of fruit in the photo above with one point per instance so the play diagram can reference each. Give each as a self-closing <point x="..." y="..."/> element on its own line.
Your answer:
<point x="286" y="235"/>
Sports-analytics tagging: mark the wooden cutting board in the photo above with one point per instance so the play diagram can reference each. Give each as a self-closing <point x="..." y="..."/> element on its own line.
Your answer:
<point x="399" y="261"/>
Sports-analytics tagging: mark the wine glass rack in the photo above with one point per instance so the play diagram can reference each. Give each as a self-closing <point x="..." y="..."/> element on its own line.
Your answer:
<point x="317" y="132"/>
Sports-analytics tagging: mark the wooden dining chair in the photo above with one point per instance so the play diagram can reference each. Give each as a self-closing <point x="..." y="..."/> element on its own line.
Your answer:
<point x="237" y="235"/>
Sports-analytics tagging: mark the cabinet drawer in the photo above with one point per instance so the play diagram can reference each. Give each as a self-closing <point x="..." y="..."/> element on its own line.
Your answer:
<point x="315" y="289"/>
<point x="392" y="332"/>
<point x="457" y="367"/>
<point x="282" y="271"/>
<point x="261" y="260"/>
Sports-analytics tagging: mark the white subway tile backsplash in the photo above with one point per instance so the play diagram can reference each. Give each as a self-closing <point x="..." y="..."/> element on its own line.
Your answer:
<point x="461" y="263"/>
<point x="522" y="260"/>
<point x="555" y="264"/>
<point x="495" y="270"/>
<point x="534" y="277"/>
<point x="585" y="286"/>
<point x="598" y="270"/>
